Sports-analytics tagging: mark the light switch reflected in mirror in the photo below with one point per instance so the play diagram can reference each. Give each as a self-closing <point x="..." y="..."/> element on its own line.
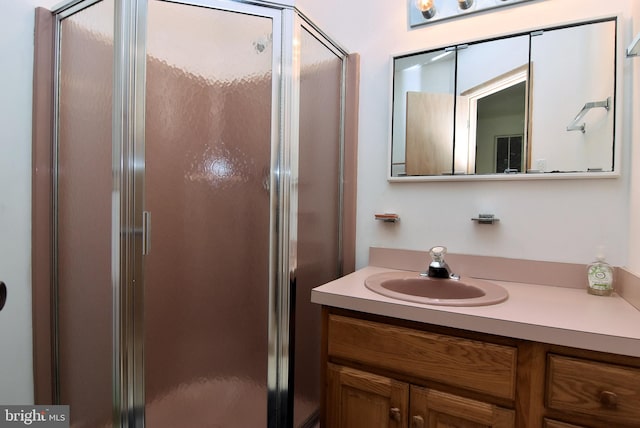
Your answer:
<point x="509" y="107"/>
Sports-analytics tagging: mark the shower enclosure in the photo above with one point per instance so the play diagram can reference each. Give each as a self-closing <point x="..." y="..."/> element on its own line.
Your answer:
<point x="194" y="178"/>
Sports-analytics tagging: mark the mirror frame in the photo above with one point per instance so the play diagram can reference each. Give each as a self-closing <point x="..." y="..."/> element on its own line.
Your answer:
<point x="618" y="112"/>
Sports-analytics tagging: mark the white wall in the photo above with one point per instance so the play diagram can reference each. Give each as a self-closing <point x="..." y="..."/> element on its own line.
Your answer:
<point x="16" y="50"/>
<point x="633" y="65"/>
<point x="561" y="220"/>
<point x="480" y="63"/>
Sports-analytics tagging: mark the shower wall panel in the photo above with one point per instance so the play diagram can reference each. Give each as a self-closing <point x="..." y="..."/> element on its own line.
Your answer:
<point x="84" y="295"/>
<point x="318" y="210"/>
<point x="208" y="156"/>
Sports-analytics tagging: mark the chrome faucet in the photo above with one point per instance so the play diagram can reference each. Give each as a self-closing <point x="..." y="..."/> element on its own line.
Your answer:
<point x="438" y="268"/>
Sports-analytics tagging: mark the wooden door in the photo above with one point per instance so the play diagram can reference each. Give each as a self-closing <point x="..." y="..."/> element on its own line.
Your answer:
<point x="435" y="409"/>
<point x="357" y="399"/>
<point x="429" y="134"/>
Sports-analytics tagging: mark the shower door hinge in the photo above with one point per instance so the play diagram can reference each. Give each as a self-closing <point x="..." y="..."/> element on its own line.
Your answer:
<point x="146" y="233"/>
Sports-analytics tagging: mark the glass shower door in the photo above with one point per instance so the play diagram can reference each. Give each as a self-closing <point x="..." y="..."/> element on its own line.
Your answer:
<point x="319" y="210"/>
<point x="207" y="189"/>
<point x="83" y="183"/>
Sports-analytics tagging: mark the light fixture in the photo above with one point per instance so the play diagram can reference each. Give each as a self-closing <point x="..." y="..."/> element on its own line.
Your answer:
<point x="427" y="11"/>
<point x="427" y="7"/>
<point x="465" y="4"/>
<point x="634" y="47"/>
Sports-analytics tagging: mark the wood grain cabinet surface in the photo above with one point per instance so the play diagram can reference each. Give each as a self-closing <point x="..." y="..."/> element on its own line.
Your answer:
<point x="385" y="372"/>
<point x="608" y="392"/>
<point x="358" y="399"/>
<point x="436" y="409"/>
<point x="471" y="364"/>
<point x="550" y="423"/>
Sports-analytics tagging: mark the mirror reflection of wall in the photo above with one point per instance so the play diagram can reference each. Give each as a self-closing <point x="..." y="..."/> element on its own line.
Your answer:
<point x="505" y="105"/>
<point x="572" y="67"/>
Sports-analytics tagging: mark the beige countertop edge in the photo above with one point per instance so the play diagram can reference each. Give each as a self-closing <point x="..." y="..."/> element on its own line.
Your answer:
<point x="554" y="315"/>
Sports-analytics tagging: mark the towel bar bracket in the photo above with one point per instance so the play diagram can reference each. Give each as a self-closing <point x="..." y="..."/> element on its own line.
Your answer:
<point x="573" y="126"/>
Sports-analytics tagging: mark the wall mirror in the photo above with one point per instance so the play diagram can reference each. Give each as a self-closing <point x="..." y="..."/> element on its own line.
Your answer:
<point x="538" y="103"/>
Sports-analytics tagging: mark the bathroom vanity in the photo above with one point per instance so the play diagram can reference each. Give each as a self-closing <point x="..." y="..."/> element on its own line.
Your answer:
<point x="548" y="356"/>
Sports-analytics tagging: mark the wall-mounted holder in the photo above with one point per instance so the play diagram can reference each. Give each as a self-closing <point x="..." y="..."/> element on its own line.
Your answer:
<point x="485" y="219"/>
<point x="387" y="217"/>
<point x="573" y="126"/>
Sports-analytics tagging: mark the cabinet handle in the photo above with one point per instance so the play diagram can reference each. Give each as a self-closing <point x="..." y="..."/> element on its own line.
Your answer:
<point x="394" y="414"/>
<point x="609" y="399"/>
<point x="417" y="422"/>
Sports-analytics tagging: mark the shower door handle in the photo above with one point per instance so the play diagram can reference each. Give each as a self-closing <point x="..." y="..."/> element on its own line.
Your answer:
<point x="3" y="294"/>
<point x="146" y="233"/>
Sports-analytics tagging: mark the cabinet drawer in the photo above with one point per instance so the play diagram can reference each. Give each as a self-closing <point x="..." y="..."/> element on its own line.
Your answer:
<point x="474" y="365"/>
<point x="604" y="391"/>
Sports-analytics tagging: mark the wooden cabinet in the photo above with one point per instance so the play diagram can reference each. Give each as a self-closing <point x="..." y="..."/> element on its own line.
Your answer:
<point x="424" y="369"/>
<point x="358" y="399"/>
<point x="383" y="372"/>
<point x="475" y="365"/>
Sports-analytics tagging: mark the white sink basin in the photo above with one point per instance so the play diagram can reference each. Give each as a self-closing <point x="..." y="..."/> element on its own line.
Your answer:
<point x="412" y="287"/>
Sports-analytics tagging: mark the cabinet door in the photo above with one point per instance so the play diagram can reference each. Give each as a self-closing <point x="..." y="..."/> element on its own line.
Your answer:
<point x="357" y="399"/>
<point x="435" y="409"/>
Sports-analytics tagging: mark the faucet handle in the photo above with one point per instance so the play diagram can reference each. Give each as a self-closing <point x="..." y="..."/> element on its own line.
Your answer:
<point x="438" y="268"/>
<point x="437" y="253"/>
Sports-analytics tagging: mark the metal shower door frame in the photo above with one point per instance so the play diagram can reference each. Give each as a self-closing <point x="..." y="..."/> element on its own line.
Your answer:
<point x="127" y="191"/>
<point x="296" y="24"/>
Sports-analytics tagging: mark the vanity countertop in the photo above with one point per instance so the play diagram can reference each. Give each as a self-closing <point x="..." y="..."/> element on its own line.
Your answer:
<point x="542" y="313"/>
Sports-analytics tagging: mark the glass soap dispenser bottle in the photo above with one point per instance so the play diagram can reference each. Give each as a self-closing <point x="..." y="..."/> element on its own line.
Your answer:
<point x="600" y="276"/>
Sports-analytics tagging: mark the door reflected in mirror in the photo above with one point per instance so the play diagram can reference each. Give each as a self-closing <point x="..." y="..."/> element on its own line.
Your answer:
<point x="500" y="117"/>
<point x="507" y="105"/>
